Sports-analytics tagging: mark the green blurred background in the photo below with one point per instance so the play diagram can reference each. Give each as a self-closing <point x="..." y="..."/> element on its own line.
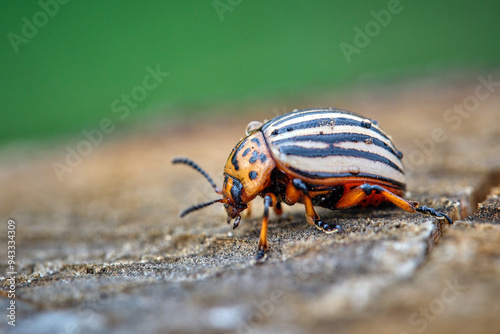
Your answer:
<point x="65" y="76"/>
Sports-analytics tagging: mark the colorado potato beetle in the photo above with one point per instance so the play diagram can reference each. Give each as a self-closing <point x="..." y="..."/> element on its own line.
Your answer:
<point x="318" y="157"/>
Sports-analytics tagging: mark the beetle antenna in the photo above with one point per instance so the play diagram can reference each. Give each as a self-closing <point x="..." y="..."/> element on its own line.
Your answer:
<point x="199" y="206"/>
<point x="194" y="165"/>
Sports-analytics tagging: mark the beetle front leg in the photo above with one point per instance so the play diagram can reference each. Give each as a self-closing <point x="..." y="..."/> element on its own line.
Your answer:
<point x="311" y="215"/>
<point x="269" y="200"/>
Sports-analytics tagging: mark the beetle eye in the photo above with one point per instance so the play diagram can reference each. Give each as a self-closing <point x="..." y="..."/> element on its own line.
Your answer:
<point x="252" y="127"/>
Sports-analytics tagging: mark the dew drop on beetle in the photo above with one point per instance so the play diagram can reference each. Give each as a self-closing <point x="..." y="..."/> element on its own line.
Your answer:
<point x="354" y="170"/>
<point x="252" y="127"/>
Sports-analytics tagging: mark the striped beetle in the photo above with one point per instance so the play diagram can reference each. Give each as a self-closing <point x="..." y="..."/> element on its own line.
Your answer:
<point x="324" y="157"/>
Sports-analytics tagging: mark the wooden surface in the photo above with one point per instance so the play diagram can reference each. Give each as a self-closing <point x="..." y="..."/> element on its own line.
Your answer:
<point x="104" y="250"/>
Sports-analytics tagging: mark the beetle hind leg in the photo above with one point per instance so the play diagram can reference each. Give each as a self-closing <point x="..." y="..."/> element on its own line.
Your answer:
<point x="357" y="194"/>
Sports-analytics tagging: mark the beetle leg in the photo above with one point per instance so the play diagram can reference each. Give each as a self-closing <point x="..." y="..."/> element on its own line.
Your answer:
<point x="355" y="195"/>
<point x="278" y="209"/>
<point x="311" y="215"/>
<point x="269" y="200"/>
<point x="292" y="194"/>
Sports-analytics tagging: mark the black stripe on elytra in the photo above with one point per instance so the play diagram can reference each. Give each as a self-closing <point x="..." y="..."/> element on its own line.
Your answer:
<point x="324" y="122"/>
<point x="245" y="152"/>
<point x="335" y="138"/>
<point x="306" y="112"/>
<point x="337" y="151"/>
<point x="323" y="175"/>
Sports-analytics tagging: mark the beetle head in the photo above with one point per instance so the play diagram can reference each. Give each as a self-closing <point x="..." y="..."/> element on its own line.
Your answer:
<point x="246" y="175"/>
<point x="232" y="192"/>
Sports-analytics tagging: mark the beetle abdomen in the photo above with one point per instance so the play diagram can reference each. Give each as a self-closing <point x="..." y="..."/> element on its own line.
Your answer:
<point x="320" y="144"/>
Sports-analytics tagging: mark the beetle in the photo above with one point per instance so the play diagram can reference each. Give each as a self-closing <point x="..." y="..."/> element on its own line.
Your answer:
<point x="323" y="157"/>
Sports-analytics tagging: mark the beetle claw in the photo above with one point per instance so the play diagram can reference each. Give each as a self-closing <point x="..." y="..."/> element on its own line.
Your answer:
<point x="329" y="229"/>
<point x="319" y="224"/>
<point x="261" y="256"/>
<point x="236" y="222"/>
<point x="432" y="212"/>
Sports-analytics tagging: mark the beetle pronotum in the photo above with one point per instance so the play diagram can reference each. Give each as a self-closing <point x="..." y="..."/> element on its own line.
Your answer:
<point x="324" y="157"/>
